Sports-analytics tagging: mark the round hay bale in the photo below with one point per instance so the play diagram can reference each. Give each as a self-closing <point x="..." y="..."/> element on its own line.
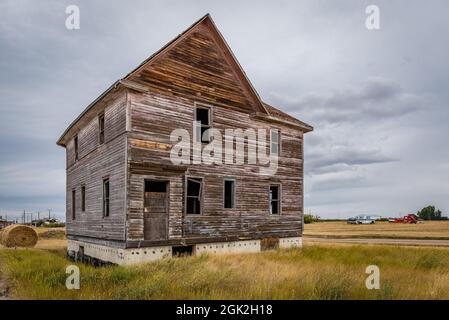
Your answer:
<point x="18" y="236"/>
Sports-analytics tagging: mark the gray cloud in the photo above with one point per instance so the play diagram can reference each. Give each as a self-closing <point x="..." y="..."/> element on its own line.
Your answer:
<point x="378" y="99"/>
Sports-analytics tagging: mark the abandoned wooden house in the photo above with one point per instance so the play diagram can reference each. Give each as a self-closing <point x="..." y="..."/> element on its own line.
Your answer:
<point x="128" y="202"/>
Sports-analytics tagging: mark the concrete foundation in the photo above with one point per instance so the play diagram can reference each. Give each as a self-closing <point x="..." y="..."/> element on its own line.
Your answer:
<point x="101" y="255"/>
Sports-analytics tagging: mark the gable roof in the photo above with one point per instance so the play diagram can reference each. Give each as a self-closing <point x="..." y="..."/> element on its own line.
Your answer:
<point x="259" y="106"/>
<point x="240" y="74"/>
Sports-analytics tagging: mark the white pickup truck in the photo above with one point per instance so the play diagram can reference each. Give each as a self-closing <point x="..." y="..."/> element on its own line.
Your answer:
<point x="361" y="220"/>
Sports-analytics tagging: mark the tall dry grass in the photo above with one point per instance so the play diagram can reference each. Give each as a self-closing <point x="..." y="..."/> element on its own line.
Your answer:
<point x="315" y="272"/>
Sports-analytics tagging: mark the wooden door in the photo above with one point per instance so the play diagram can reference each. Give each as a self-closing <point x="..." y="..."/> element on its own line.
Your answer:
<point x="155" y="210"/>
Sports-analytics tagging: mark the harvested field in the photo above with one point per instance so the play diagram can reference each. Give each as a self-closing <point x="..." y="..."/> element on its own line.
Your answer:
<point x="435" y="230"/>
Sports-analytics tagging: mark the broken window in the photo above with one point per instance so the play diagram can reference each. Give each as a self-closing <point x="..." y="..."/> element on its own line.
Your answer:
<point x="106" y="197"/>
<point x="101" y="128"/>
<point x="75" y="141"/>
<point x="73" y="204"/>
<point x="83" y="198"/>
<point x="193" y="201"/>
<point x="229" y="194"/>
<point x="274" y="141"/>
<point x="275" y="199"/>
<point x="203" y="122"/>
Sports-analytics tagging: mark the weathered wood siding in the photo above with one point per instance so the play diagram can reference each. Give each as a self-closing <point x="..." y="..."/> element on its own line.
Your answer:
<point x="153" y="117"/>
<point x="198" y="70"/>
<point x="95" y="163"/>
<point x="189" y="69"/>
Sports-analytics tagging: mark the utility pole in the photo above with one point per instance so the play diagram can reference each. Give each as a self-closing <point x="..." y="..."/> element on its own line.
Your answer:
<point x="49" y="213"/>
<point x="23" y="219"/>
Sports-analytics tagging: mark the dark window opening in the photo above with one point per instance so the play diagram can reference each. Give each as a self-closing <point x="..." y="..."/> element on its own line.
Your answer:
<point x="76" y="147"/>
<point x="274" y="200"/>
<point x="73" y="204"/>
<point x="106" y="198"/>
<point x="274" y="141"/>
<point x="182" y="251"/>
<point x="229" y="194"/>
<point x="203" y="120"/>
<point x="194" y="187"/>
<point x="83" y="198"/>
<point x="155" y="186"/>
<point x="101" y="128"/>
<point x="155" y="199"/>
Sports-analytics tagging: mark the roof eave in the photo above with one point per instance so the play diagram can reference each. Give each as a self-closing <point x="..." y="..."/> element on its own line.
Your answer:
<point x="304" y="127"/>
<point x="61" y="141"/>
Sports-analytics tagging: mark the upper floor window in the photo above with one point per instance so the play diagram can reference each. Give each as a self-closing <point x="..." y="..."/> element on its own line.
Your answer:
<point x="274" y="141"/>
<point x="203" y="121"/>
<point x="75" y="141"/>
<point x="101" y="128"/>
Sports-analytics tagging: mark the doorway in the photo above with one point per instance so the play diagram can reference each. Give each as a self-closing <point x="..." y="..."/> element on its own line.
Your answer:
<point x="155" y="210"/>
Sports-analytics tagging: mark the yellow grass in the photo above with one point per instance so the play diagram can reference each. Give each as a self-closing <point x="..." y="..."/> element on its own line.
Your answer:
<point x="41" y="230"/>
<point x="314" y="272"/>
<point x="424" y="230"/>
<point x="317" y="271"/>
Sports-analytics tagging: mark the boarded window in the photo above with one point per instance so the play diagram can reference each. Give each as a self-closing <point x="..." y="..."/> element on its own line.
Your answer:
<point x="229" y="194"/>
<point x="83" y="198"/>
<point x="106" y="198"/>
<point x="203" y="123"/>
<point x="194" y="190"/>
<point x="75" y="141"/>
<point x="274" y="141"/>
<point x="73" y="204"/>
<point x="275" y="199"/>
<point x="101" y="128"/>
<point x="155" y="196"/>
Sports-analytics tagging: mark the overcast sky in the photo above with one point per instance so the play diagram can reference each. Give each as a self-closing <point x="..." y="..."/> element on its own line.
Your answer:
<point x="378" y="99"/>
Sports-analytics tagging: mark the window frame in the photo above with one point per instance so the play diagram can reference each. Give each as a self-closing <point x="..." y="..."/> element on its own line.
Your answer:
<point x="278" y="142"/>
<point x="73" y="204"/>
<point x="233" y="180"/>
<point x="101" y="123"/>
<point x="279" y="200"/>
<point x="201" y="196"/>
<point x="76" y="147"/>
<point x="106" y="200"/>
<point x="210" y="117"/>
<point x="83" y="198"/>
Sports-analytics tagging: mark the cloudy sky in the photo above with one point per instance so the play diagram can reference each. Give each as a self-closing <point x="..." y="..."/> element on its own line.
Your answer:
<point x="378" y="99"/>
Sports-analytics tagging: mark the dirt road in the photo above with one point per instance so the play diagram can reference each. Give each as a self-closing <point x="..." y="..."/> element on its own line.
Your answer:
<point x="398" y="242"/>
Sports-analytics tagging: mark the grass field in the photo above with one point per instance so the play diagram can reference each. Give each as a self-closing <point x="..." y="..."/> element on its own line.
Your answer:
<point x="317" y="271"/>
<point x="313" y="272"/>
<point x="437" y="230"/>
